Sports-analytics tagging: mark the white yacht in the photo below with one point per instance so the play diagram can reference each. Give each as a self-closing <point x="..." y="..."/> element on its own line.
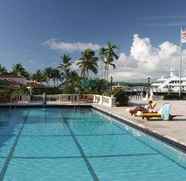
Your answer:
<point x="170" y="84"/>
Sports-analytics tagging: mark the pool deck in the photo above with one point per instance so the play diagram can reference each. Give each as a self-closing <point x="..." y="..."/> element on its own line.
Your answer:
<point x="172" y="131"/>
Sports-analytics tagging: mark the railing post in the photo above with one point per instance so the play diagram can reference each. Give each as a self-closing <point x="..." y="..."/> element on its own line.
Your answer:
<point x="94" y="98"/>
<point x="113" y="101"/>
<point x="101" y="100"/>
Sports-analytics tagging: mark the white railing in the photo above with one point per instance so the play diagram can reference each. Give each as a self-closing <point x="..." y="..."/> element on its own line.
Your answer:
<point x="104" y="100"/>
<point x="20" y="99"/>
<point x="25" y="98"/>
<point x="68" y="98"/>
<point x="64" y="98"/>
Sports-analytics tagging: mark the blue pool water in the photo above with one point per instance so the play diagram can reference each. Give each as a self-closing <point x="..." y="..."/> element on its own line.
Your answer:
<point x="54" y="144"/>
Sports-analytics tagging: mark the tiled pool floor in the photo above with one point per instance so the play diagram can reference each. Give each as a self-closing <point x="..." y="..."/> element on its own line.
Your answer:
<point x="65" y="144"/>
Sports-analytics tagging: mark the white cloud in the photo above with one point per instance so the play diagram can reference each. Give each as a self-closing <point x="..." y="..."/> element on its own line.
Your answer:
<point x="70" y="46"/>
<point x="144" y="53"/>
<point x="127" y="75"/>
<point x="144" y="59"/>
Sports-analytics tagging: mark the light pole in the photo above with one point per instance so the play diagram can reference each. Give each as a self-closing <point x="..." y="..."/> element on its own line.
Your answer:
<point x="111" y="82"/>
<point x="30" y="92"/>
<point x="180" y="70"/>
<point x="148" y="85"/>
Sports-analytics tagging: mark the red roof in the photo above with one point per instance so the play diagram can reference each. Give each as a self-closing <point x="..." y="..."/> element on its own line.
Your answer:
<point x="10" y="75"/>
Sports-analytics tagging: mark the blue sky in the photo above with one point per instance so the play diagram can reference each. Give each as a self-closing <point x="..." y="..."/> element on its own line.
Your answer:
<point x="26" y="26"/>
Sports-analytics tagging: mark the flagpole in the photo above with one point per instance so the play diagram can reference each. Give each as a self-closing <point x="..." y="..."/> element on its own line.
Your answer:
<point x="180" y="69"/>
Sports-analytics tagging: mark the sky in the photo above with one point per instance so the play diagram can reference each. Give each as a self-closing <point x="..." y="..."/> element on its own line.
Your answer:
<point x="36" y="32"/>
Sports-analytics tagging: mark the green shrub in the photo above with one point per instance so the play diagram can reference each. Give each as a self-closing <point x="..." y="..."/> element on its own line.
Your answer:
<point x="122" y="98"/>
<point x="48" y="90"/>
<point x="5" y="95"/>
<point x="94" y="86"/>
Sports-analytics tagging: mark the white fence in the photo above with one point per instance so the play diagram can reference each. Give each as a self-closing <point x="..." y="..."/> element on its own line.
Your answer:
<point x="64" y="98"/>
<point x="20" y="99"/>
<point x="68" y="98"/>
<point x="104" y="100"/>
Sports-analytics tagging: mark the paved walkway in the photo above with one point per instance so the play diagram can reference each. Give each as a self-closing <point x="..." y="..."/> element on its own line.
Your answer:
<point x="173" y="129"/>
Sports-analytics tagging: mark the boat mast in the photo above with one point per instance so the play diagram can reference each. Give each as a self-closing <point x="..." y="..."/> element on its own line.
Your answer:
<point x="180" y="68"/>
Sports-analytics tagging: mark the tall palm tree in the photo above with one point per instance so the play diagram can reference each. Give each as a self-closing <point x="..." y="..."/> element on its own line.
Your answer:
<point x="108" y="55"/>
<point x="87" y="63"/>
<point x="19" y="70"/>
<point x="2" y="70"/>
<point x="64" y="67"/>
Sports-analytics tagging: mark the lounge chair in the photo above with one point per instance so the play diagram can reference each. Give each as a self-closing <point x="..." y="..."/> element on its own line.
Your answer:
<point x="149" y="115"/>
<point x="150" y="107"/>
<point x="164" y="113"/>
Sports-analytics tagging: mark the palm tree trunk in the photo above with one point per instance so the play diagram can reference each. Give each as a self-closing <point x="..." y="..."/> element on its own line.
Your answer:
<point x="87" y="74"/>
<point x="107" y="72"/>
<point x="53" y="82"/>
<point x="57" y="82"/>
<point x="48" y="82"/>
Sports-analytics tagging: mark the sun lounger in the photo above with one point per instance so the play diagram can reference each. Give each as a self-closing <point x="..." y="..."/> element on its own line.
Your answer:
<point x="149" y="115"/>
<point x="149" y="107"/>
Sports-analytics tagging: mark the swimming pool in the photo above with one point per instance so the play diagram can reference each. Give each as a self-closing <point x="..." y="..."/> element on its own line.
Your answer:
<point x="45" y="144"/>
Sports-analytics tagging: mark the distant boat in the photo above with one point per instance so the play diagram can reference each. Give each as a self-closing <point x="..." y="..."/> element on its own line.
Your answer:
<point x="170" y="84"/>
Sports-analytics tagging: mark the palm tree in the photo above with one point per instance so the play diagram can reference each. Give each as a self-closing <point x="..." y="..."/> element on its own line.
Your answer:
<point x="108" y="55"/>
<point x="2" y="70"/>
<point x="72" y="84"/>
<point x="39" y="76"/>
<point x="48" y="74"/>
<point x="19" y="70"/>
<point x="87" y="63"/>
<point x="64" y="67"/>
<point x="55" y="76"/>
